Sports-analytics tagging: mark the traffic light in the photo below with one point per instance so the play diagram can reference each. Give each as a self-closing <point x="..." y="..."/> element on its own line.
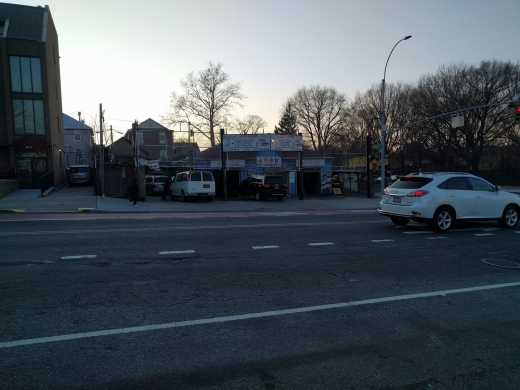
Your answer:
<point x="517" y="114"/>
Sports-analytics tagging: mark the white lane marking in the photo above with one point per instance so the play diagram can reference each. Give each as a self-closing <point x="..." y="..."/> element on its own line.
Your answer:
<point x="320" y="243"/>
<point x="176" y="252"/>
<point x="435" y="238"/>
<point x="78" y="257"/>
<point x="240" y="317"/>
<point x="419" y="232"/>
<point x="517" y="232"/>
<point x="266" y="247"/>
<point x="382" y="240"/>
<point x="361" y="211"/>
<point x="484" y="234"/>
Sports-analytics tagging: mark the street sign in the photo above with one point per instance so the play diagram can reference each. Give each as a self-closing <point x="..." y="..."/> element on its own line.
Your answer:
<point x="376" y="146"/>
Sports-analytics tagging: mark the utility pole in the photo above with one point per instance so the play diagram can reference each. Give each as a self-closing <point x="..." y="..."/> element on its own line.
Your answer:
<point x="223" y="159"/>
<point x="368" y="154"/>
<point x="112" y="142"/>
<point x="300" y="193"/>
<point x="102" y="151"/>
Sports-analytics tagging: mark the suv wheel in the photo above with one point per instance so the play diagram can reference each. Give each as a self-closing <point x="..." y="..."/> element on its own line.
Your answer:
<point x="509" y="218"/>
<point x="400" y="221"/>
<point x="279" y="197"/>
<point x="443" y="219"/>
<point x="183" y="197"/>
<point x="258" y="196"/>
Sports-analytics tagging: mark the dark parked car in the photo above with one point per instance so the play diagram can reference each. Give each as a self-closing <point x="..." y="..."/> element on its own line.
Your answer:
<point x="155" y="184"/>
<point x="264" y="186"/>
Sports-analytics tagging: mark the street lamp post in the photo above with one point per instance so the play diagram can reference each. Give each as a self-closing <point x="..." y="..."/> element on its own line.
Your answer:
<point x="383" y="119"/>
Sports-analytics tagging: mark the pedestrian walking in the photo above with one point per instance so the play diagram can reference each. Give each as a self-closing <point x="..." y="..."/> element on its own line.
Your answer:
<point x="166" y="190"/>
<point x="134" y="193"/>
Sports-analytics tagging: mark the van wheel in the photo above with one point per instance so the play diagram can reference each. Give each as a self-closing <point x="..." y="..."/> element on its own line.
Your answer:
<point x="183" y="197"/>
<point x="279" y="197"/>
<point x="172" y="197"/>
<point x="258" y="196"/>
<point x="209" y="199"/>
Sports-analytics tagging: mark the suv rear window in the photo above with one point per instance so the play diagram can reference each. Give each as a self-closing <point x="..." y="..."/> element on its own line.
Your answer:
<point x="274" y="180"/>
<point x="159" y="179"/>
<point x="407" y="182"/>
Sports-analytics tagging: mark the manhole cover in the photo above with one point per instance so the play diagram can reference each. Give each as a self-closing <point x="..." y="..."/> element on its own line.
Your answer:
<point x="501" y="263"/>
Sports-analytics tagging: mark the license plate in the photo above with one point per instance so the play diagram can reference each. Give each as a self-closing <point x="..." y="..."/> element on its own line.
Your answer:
<point x="396" y="199"/>
<point x="276" y="187"/>
<point x="206" y="185"/>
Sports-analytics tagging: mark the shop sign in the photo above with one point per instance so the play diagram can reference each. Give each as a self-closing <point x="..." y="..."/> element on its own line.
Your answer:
<point x="315" y="162"/>
<point x="246" y="142"/>
<point x="235" y="163"/>
<point x="271" y="161"/>
<point x="216" y="164"/>
<point x="286" y="142"/>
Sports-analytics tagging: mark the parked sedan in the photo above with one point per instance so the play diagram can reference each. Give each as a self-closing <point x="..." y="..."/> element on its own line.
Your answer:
<point x="442" y="198"/>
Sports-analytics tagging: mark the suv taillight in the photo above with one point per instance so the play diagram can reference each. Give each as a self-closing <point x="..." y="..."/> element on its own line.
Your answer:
<point x="418" y="193"/>
<point x="385" y="191"/>
<point x="265" y="185"/>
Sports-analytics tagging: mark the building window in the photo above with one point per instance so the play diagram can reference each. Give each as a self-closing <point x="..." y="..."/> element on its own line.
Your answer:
<point x="162" y="137"/>
<point x="28" y="117"/>
<point x="77" y="135"/>
<point x="26" y="75"/>
<point x="162" y="153"/>
<point x="140" y="138"/>
<point x="2" y="27"/>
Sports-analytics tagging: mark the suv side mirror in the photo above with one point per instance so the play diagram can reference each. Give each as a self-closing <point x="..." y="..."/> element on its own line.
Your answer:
<point x="497" y="188"/>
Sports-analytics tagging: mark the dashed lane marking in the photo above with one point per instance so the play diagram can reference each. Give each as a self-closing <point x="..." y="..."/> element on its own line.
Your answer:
<point x="176" y="252"/>
<point x="382" y="240"/>
<point x="435" y="238"/>
<point x="320" y="243"/>
<point x="484" y="234"/>
<point x="78" y="257"/>
<point x="250" y="316"/>
<point x="266" y="247"/>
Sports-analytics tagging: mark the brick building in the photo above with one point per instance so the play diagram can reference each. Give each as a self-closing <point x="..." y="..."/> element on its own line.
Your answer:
<point x="31" y="124"/>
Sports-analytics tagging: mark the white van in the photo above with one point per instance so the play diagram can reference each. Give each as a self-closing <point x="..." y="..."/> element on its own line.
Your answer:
<point x="193" y="184"/>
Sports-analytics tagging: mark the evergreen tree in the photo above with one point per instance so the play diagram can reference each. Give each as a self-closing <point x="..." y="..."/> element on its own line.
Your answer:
<point x="287" y="124"/>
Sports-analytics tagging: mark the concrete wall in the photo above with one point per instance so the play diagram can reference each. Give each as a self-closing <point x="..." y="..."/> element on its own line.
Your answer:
<point x="7" y="186"/>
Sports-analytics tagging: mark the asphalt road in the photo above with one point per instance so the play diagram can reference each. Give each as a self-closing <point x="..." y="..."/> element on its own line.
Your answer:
<point x="270" y="302"/>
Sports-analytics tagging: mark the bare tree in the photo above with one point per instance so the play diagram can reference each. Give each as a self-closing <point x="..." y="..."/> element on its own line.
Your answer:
<point x="321" y="112"/>
<point x="459" y="86"/>
<point x="250" y="124"/>
<point x="207" y="101"/>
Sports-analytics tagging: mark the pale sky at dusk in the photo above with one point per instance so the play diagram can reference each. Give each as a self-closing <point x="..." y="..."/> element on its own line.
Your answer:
<point x="130" y="55"/>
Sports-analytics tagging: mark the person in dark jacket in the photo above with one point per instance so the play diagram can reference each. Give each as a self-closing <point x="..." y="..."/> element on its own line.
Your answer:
<point x="166" y="190"/>
<point x="134" y="192"/>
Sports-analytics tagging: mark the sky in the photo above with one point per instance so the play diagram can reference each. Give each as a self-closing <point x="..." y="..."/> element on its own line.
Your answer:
<point x="131" y="55"/>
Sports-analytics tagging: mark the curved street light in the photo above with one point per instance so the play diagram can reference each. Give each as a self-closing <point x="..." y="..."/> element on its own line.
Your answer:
<point x="383" y="118"/>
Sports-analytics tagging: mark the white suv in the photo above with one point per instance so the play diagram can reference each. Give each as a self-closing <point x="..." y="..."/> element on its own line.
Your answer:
<point x="445" y="197"/>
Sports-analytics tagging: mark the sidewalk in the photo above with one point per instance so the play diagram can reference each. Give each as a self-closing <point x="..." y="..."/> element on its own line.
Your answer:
<point x="82" y="198"/>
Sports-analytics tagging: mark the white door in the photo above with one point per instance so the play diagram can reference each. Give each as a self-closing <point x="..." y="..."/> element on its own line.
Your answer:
<point x="461" y="197"/>
<point x="488" y="202"/>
